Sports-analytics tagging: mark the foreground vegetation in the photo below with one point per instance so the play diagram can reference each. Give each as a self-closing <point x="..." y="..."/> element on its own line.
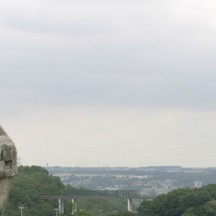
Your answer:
<point x="28" y="186"/>
<point x="34" y="182"/>
<point x="182" y="202"/>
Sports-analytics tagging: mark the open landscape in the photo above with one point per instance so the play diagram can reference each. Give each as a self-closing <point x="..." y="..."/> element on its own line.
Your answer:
<point x="33" y="183"/>
<point x="151" y="181"/>
<point x="108" y="108"/>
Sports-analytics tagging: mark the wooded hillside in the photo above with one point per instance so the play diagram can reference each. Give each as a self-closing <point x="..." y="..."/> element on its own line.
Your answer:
<point x="182" y="202"/>
<point x="33" y="182"/>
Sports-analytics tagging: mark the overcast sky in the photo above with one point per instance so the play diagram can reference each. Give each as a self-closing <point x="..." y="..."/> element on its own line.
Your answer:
<point x="109" y="82"/>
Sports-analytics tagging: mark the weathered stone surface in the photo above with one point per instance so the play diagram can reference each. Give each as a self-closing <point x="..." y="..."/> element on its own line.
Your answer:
<point x="8" y="167"/>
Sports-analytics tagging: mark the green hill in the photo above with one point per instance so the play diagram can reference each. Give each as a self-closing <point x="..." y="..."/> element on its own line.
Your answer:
<point x="28" y="186"/>
<point x="182" y="202"/>
<point x="33" y="182"/>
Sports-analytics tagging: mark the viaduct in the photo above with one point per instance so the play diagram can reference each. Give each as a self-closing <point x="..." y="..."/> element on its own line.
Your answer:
<point x="96" y="194"/>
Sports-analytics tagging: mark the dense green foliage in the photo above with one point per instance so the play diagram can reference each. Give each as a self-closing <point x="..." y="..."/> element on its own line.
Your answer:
<point x="182" y="202"/>
<point x="28" y="186"/>
<point x="33" y="182"/>
<point x="124" y="213"/>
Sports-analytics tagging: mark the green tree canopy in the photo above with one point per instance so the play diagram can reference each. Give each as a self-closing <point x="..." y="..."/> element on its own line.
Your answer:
<point x="182" y="202"/>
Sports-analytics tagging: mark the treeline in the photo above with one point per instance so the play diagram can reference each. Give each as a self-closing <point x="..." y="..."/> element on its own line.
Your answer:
<point x="33" y="182"/>
<point x="28" y="186"/>
<point x="182" y="202"/>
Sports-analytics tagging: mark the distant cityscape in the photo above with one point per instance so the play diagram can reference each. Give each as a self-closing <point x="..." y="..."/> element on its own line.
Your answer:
<point x="151" y="181"/>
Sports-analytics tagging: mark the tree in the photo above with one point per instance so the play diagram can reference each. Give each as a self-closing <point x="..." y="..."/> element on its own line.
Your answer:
<point x="182" y="202"/>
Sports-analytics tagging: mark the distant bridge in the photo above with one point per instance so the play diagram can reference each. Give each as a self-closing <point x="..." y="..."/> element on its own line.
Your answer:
<point x="96" y="194"/>
<point x="86" y="194"/>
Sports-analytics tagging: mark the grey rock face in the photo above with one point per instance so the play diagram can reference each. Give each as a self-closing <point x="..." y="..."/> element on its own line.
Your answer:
<point x="8" y="167"/>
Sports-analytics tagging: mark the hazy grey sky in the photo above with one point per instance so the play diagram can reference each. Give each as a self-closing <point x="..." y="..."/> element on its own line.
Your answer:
<point x="109" y="83"/>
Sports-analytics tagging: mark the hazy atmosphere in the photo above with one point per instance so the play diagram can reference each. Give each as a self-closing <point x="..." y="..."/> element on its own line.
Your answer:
<point x="109" y="83"/>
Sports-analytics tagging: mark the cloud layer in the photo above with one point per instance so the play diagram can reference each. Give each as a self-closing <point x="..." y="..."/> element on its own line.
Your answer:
<point x="121" y="55"/>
